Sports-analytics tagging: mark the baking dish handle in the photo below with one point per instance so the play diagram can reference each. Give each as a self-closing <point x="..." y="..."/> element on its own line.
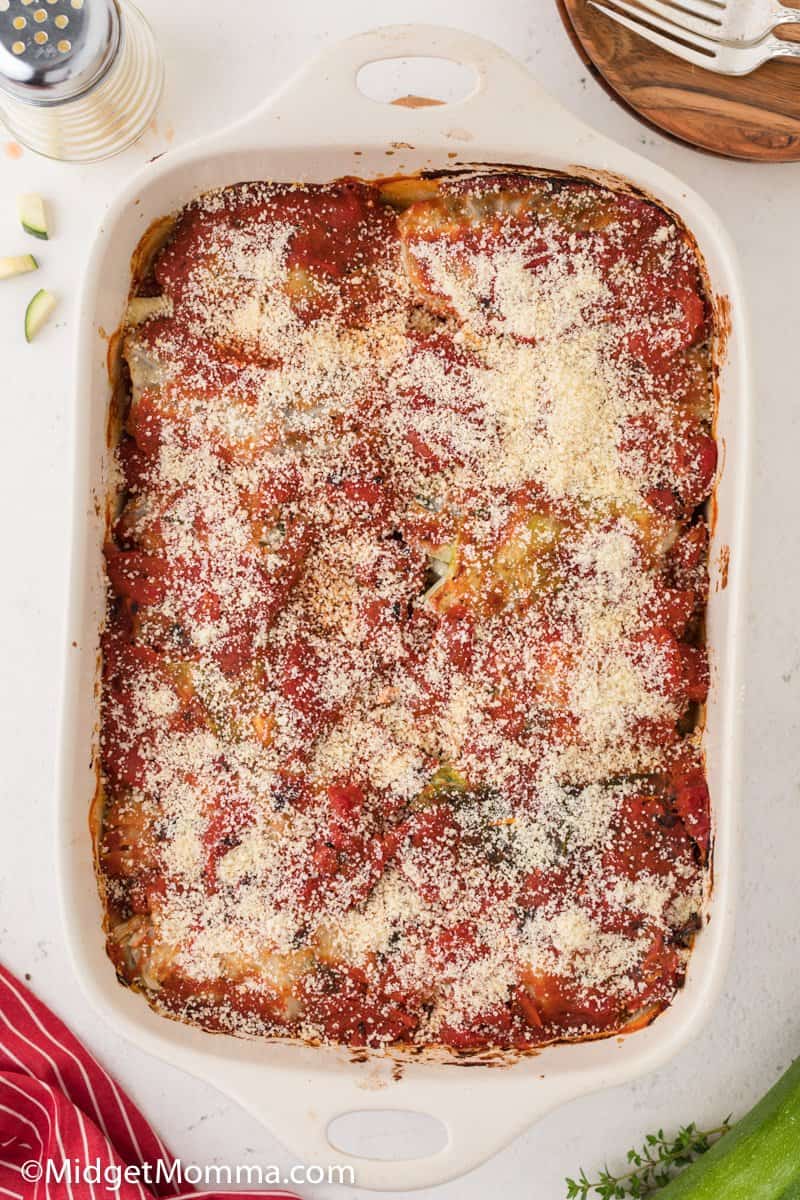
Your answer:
<point x="323" y="103"/>
<point x="481" y="1112"/>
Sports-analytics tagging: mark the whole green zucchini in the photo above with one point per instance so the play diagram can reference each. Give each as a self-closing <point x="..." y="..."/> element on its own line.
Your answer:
<point x="758" y="1160"/>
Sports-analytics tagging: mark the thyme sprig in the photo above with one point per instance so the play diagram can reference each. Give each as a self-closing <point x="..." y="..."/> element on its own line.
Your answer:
<point x="651" y="1167"/>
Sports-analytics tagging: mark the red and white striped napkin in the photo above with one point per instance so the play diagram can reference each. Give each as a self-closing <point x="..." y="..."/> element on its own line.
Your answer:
<point x="58" y="1104"/>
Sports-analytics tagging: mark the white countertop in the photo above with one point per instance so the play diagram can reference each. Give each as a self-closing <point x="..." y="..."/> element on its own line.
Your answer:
<point x="221" y="59"/>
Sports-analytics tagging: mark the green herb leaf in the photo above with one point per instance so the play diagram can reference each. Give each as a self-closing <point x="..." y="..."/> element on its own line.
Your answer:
<point x="653" y="1165"/>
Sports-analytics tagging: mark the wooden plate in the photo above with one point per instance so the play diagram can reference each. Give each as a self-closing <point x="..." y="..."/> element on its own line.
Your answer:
<point x="756" y="117"/>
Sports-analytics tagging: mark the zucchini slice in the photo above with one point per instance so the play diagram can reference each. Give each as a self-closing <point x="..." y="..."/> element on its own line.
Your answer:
<point x="38" y="312"/>
<point x="17" y="264"/>
<point x="32" y="214"/>
<point x="142" y="308"/>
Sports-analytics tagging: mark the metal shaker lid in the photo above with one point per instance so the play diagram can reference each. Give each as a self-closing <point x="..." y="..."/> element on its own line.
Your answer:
<point x="55" y="50"/>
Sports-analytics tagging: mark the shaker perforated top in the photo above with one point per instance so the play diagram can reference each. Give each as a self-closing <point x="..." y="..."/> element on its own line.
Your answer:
<point x="56" y="50"/>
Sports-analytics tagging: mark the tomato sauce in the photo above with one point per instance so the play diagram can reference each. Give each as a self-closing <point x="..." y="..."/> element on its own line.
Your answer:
<point x="403" y="665"/>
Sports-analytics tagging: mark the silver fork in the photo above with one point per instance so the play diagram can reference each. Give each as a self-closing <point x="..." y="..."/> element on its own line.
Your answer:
<point x="674" y="36"/>
<point x="735" y="21"/>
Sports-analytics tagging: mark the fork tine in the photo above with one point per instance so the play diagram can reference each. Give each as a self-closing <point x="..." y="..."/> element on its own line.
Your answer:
<point x="682" y="18"/>
<point x="636" y="23"/>
<point x="713" y="10"/>
<point x="658" y="39"/>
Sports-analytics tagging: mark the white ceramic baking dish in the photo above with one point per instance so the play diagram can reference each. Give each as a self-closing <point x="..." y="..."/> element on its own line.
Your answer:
<point x="319" y="127"/>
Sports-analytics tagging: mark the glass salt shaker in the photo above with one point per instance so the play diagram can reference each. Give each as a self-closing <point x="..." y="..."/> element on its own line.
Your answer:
<point x="79" y="79"/>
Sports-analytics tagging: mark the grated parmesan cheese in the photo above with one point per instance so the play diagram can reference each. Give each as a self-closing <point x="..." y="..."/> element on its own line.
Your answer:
<point x="408" y="674"/>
